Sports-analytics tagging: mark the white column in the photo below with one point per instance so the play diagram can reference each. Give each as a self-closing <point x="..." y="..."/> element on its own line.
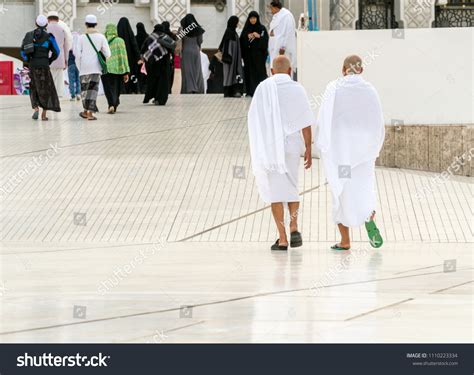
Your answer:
<point x="169" y="10"/>
<point x="417" y="13"/>
<point x="344" y="15"/>
<point x="65" y="8"/>
<point x="242" y="8"/>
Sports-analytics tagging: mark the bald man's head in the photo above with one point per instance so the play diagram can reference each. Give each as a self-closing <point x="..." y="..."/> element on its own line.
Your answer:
<point x="352" y="65"/>
<point x="281" y="64"/>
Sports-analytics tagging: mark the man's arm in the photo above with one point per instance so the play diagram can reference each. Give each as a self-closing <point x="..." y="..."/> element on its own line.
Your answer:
<point x="308" y="140"/>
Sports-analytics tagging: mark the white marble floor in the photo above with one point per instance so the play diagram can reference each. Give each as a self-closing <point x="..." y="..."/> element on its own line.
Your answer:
<point x="145" y="226"/>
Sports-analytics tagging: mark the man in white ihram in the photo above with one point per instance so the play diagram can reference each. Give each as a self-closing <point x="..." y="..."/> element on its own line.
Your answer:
<point x="282" y="33"/>
<point x="351" y="134"/>
<point x="279" y="114"/>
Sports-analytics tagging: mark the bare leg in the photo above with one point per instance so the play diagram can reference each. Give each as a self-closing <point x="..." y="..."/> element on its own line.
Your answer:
<point x="294" y="208"/>
<point x="43" y="115"/>
<point x="278" y="215"/>
<point x="345" y="238"/>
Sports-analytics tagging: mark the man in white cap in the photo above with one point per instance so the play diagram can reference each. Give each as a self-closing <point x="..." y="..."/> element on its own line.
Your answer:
<point x="279" y="114"/>
<point x="88" y="47"/>
<point x="64" y="43"/>
<point x="351" y="134"/>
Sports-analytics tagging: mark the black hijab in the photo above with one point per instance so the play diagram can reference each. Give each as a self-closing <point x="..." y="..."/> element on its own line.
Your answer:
<point x="124" y="31"/>
<point x="249" y="28"/>
<point x="167" y="30"/>
<point x="230" y="32"/>
<point x="190" y="21"/>
<point x="141" y="34"/>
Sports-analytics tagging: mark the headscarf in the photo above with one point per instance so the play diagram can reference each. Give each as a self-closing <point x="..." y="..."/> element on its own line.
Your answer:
<point x="124" y="31"/>
<point x="249" y="28"/>
<point x="230" y="32"/>
<point x="117" y="63"/>
<point x="158" y="28"/>
<point x="168" y="31"/>
<point x="189" y="22"/>
<point x="141" y="34"/>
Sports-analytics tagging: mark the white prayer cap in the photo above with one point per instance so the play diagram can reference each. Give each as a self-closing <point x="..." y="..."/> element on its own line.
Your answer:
<point x="90" y="18"/>
<point x="41" y="20"/>
<point x="53" y="13"/>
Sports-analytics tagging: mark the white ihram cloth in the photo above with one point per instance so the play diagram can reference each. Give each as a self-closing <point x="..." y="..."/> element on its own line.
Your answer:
<point x="205" y="69"/>
<point x="351" y="134"/>
<point x="279" y="110"/>
<point x="284" y="36"/>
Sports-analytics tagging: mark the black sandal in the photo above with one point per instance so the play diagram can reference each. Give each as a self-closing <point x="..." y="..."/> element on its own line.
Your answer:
<point x="337" y="247"/>
<point x="277" y="246"/>
<point x="296" y="240"/>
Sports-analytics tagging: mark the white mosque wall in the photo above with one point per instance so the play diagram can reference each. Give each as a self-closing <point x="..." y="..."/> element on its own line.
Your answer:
<point x="112" y="14"/>
<point x="424" y="76"/>
<point x="15" y="21"/>
<point x="213" y="21"/>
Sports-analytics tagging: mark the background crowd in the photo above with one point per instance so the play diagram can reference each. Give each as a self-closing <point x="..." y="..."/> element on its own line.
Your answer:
<point x="145" y="63"/>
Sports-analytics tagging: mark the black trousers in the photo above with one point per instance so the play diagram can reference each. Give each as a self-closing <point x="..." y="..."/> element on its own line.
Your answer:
<point x="158" y="81"/>
<point x="112" y="86"/>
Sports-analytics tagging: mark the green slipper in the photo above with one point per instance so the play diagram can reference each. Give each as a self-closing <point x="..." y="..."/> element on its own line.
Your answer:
<point x="337" y="247"/>
<point x="373" y="232"/>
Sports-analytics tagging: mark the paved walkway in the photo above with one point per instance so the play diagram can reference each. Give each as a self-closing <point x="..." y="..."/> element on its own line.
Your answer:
<point x="79" y="199"/>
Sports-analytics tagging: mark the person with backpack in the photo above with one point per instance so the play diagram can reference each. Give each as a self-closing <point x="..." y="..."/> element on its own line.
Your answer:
<point x="39" y="49"/>
<point x="156" y="52"/>
<point x="91" y="54"/>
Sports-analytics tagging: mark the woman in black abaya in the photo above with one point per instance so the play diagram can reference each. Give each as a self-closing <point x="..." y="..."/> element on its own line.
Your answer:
<point x="125" y="32"/>
<point x="254" y="45"/>
<point x="232" y="60"/>
<point x="156" y="52"/>
<point x="140" y="38"/>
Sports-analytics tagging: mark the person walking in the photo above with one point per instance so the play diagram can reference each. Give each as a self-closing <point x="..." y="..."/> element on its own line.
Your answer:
<point x="156" y="52"/>
<point x="140" y="38"/>
<point x="90" y="46"/>
<point x="254" y="45"/>
<point x="173" y="36"/>
<point x="192" y="81"/>
<point x="59" y="65"/>
<point x="118" y="69"/>
<point x="232" y="60"/>
<point x="72" y="71"/>
<point x="124" y="31"/>
<point x="39" y="49"/>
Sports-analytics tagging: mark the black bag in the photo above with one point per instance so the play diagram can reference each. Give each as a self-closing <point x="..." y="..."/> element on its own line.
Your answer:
<point x="28" y="44"/>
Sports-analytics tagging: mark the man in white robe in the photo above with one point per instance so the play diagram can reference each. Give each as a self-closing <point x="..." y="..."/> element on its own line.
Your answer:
<point x="351" y="134"/>
<point x="279" y="115"/>
<point x="64" y="41"/>
<point x="282" y="33"/>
